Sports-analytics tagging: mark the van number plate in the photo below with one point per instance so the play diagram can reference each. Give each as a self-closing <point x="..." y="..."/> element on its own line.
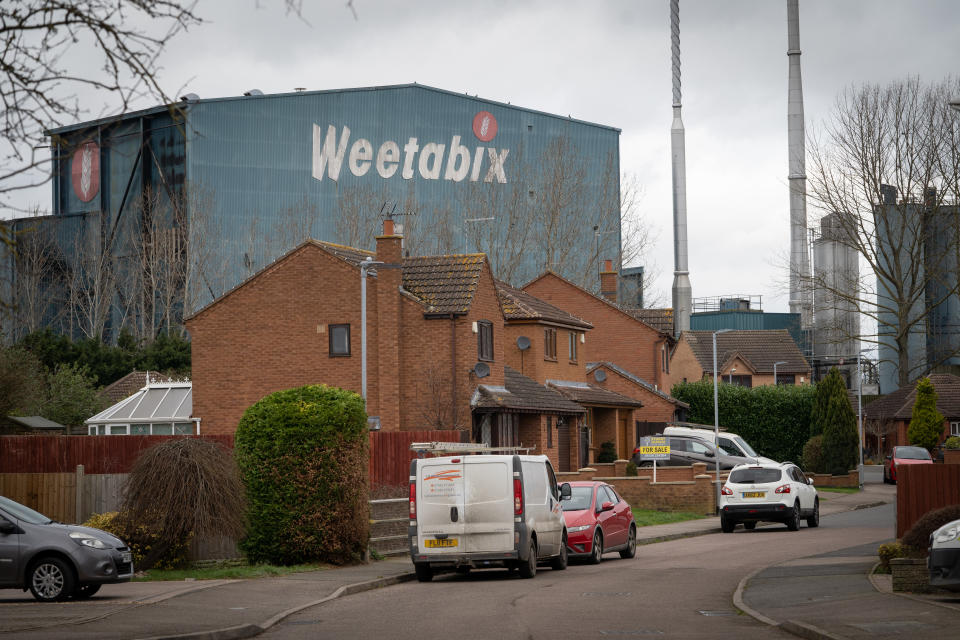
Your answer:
<point x="754" y="494"/>
<point x="447" y="542"/>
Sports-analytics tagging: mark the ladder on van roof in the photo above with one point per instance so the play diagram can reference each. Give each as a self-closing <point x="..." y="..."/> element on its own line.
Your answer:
<point x="435" y="447"/>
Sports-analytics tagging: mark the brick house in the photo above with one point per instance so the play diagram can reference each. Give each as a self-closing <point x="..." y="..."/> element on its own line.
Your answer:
<point x="550" y="345"/>
<point x="886" y="419"/>
<point x="434" y="334"/>
<point x="659" y="407"/>
<point x="618" y="335"/>
<point x="745" y="358"/>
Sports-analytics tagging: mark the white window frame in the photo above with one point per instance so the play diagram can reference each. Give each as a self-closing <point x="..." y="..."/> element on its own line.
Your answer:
<point x="955" y="428"/>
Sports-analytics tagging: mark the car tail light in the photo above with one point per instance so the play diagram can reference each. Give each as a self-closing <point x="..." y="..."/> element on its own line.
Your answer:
<point x="413" y="501"/>
<point x="727" y="491"/>
<point x="784" y="488"/>
<point x="517" y="497"/>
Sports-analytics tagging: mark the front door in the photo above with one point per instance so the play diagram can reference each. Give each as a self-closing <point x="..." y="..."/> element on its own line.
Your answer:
<point x="563" y="443"/>
<point x="584" y="445"/>
<point x="623" y="445"/>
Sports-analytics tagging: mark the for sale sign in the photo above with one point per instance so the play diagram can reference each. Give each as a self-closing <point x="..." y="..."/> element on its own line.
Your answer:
<point x="654" y="448"/>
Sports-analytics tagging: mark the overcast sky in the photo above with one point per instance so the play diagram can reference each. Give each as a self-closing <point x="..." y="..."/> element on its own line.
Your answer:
<point x="609" y="63"/>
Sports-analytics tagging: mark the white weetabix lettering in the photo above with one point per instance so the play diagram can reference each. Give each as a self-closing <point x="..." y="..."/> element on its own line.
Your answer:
<point x="458" y="161"/>
<point x="496" y="165"/>
<point x="409" y="152"/>
<point x="361" y="153"/>
<point x="388" y="159"/>
<point x="329" y="155"/>
<point x="477" y="160"/>
<point x="431" y="159"/>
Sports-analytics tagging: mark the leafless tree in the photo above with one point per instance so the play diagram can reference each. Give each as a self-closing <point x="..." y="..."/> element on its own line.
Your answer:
<point x="38" y="290"/>
<point x="887" y="163"/>
<point x="91" y="285"/>
<point x="437" y="409"/>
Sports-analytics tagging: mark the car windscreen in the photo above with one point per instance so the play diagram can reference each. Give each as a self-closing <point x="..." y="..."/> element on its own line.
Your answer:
<point x="21" y="512"/>
<point x="912" y="453"/>
<point x="743" y="444"/>
<point x="580" y="499"/>
<point x="754" y="475"/>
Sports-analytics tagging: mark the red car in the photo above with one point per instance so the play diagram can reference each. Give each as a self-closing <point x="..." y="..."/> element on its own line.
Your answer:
<point x="598" y="521"/>
<point x="904" y="455"/>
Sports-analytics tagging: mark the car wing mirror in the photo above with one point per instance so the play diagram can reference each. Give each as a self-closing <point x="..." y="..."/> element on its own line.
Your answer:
<point x="7" y="527"/>
<point x="809" y="480"/>
<point x="565" y="491"/>
<point x="606" y="506"/>
<point x="710" y="454"/>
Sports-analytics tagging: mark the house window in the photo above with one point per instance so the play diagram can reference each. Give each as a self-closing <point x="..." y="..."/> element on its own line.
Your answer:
<point x="339" y="340"/>
<point x="161" y="429"/>
<point x="787" y="379"/>
<point x="572" y="344"/>
<point x="955" y="428"/>
<point x="664" y="360"/>
<point x="119" y="429"/>
<point x="742" y="381"/>
<point x="485" y="340"/>
<point x="183" y="428"/>
<point x="140" y="429"/>
<point x="550" y="344"/>
<point x="549" y="432"/>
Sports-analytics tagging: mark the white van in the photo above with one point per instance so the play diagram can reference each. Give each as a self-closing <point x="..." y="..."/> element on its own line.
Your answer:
<point x="733" y="444"/>
<point x="474" y="511"/>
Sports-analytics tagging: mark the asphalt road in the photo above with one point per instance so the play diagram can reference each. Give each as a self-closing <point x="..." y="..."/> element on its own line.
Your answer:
<point x="679" y="589"/>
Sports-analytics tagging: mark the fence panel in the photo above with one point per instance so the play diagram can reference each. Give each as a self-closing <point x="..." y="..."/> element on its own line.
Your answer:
<point x="922" y="488"/>
<point x="62" y="454"/>
<point x="52" y="494"/>
<point x="101" y="493"/>
<point x="390" y="453"/>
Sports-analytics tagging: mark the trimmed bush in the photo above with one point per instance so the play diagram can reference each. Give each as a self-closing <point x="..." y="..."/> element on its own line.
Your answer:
<point x="891" y="551"/>
<point x="303" y="456"/>
<point x="918" y="537"/>
<point x="813" y="455"/>
<point x="631" y="470"/>
<point x="774" y="420"/>
<point x="607" y="453"/>
<point x="926" y="423"/>
<point x="953" y="442"/>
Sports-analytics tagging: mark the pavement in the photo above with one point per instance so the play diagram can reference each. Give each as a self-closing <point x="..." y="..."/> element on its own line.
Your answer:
<point x="828" y="596"/>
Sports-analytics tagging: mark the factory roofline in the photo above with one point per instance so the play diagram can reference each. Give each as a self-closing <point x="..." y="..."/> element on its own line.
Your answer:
<point x="167" y="107"/>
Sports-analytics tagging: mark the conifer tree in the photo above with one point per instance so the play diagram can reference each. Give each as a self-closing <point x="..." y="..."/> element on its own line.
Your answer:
<point x="840" y="437"/>
<point x="926" y="423"/>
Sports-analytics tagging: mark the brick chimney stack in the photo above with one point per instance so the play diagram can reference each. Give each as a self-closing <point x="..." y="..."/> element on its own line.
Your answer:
<point x="608" y="281"/>
<point x="387" y="362"/>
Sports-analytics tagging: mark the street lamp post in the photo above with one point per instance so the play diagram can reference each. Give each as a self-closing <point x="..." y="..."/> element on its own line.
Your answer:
<point x="716" y="415"/>
<point x="775" y="370"/>
<point x="365" y="265"/>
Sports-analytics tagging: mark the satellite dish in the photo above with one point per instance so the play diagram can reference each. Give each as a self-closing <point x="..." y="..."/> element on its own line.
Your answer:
<point x="253" y="92"/>
<point x="481" y="370"/>
<point x="190" y="97"/>
<point x="523" y="343"/>
<point x="600" y="375"/>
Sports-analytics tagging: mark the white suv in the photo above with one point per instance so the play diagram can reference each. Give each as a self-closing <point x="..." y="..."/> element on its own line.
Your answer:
<point x="777" y="492"/>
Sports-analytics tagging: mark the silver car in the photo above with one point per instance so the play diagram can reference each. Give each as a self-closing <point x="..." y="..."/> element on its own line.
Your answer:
<point x="57" y="561"/>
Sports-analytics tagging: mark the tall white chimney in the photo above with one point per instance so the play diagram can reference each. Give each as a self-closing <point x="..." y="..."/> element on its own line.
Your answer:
<point x="682" y="292"/>
<point x="800" y="301"/>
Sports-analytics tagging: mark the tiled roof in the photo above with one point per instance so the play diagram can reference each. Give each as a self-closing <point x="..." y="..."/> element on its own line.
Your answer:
<point x="593" y="366"/>
<point x="899" y="404"/>
<point x="760" y="348"/>
<point x="351" y="255"/>
<point x="586" y="393"/>
<point x="520" y="305"/>
<point x="523" y="394"/>
<point x="444" y="284"/>
<point x="130" y="384"/>
<point x="660" y="319"/>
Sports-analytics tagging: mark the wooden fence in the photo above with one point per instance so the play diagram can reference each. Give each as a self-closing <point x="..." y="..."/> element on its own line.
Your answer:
<point x="62" y="454"/>
<point x="922" y="488"/>
<point x="65" y="497"/>
<point x="390" y="453"/>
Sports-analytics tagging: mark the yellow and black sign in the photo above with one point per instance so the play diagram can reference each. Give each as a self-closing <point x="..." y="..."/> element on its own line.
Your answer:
<point x="654" y="448"/>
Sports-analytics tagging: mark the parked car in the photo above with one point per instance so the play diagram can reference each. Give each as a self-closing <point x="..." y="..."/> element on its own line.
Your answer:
<point x="730" y="443"/>
<point x="477" y="511"/>
<point x="768" y="492"/>
<point x="598" y="521"/>
<point x="57" y="561"/>
<point x="903" y="455"/>
<point x="944" y="559"/>
<point x="685" y="450"/>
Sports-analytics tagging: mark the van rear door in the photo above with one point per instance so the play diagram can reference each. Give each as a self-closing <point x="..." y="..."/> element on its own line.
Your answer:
<point x="440" y="489"/>
<point x="488" y="503"/>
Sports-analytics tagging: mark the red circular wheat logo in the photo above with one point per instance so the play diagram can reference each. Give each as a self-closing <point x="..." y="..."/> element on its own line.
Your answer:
<point x="484" y="126"/>
<point x="85" y="171"/>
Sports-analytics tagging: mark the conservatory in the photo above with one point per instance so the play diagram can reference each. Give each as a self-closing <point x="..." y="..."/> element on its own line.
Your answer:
<point x="159" y="409"/>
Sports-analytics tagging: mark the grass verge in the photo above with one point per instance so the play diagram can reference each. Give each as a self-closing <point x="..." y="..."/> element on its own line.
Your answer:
<point x="226" y="573"/>
<point x="649" y="517"/>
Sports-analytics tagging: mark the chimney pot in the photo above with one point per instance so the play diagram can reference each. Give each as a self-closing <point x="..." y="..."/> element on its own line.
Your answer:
<point x="388" y="227"/>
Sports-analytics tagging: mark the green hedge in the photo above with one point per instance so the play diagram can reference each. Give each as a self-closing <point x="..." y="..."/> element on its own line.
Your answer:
<point x="303" y="455"/>
<point x="774" y="420"/>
